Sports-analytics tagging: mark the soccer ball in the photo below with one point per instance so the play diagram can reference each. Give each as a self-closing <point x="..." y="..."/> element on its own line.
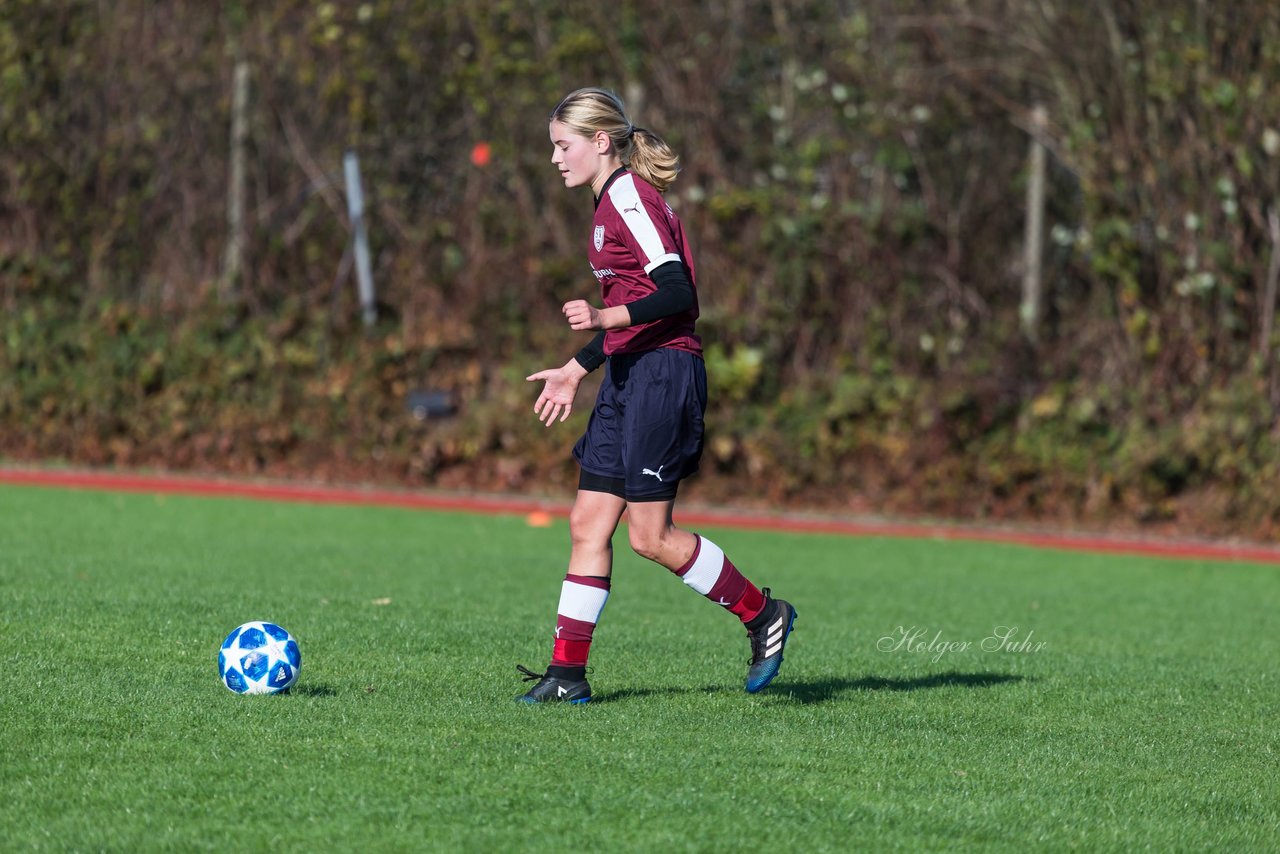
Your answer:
<point x="259" y="658"/>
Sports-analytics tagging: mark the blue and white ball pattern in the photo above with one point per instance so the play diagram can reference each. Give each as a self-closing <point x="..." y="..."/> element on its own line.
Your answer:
<point x="259" y="658"/>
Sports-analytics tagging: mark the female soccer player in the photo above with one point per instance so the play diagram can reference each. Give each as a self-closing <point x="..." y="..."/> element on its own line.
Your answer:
<point x="645" y="433"/>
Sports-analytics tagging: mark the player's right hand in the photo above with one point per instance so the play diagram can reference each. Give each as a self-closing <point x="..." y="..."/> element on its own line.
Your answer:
<point x="560" y="386"/>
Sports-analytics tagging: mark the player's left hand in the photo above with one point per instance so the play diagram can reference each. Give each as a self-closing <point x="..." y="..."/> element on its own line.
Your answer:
<point x="582" y="316"/>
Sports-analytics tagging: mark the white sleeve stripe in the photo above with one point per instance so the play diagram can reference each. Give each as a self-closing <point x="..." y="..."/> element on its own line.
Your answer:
<point x="658" y="262"/>
<point x="636" y="217"/>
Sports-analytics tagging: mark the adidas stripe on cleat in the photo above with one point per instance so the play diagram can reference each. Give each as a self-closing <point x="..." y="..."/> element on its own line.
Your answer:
<point x="768" y="640"/>
<point x="554" y="689"/>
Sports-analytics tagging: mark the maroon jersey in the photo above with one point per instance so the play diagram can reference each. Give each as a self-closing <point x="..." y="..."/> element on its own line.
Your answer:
<point x="635" y="231"/>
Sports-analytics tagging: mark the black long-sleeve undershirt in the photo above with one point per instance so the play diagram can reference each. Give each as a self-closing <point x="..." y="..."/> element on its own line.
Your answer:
<point x="592" y="356"/>
<point x="673" y="294"/>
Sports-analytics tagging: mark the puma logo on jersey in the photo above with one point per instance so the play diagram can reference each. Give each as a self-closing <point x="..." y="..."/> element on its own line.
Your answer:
<point x="657" y="474"/>
<point x="633" y="209"/>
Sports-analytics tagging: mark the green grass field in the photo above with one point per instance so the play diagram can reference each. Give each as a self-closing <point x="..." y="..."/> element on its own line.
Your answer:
<point x="1145" y="719"/>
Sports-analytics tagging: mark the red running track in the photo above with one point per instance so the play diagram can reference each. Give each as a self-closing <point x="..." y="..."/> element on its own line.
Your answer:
<point x="303" y="493"/>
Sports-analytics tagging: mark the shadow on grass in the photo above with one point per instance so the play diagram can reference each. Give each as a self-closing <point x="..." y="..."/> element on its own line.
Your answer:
<point x="830" y="688"/>
<point x="822" y="690"/>
<point x="825" y="689"/>
<point x="312" y="690"/>
<point x="640" y="693"/>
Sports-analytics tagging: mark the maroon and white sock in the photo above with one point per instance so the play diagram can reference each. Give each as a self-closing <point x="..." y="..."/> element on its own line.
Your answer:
<point x="582" y="598"/>
<point x="712" y="574"/>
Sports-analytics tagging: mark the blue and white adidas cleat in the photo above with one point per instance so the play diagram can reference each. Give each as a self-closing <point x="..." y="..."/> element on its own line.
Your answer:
<point x="768" y="640"/>
<point x="554" y="688"/>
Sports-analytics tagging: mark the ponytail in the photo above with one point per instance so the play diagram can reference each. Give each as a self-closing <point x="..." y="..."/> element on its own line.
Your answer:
<point x="589" y="111"/>
<point x="651" y="158"/>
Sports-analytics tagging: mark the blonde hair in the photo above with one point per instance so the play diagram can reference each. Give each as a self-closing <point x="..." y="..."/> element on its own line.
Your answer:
<point x="588" y="111"/>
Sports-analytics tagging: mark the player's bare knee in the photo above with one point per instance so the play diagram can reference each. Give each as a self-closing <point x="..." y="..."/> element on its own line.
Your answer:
<point x="648" y="542"/>
<point x="586" y="532"/>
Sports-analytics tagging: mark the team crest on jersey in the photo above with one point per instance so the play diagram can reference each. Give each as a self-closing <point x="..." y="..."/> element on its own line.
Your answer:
<point x="599" y="237"/>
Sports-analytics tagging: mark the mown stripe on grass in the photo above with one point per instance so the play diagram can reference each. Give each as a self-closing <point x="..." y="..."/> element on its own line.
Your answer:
<point x="295" y="492"/>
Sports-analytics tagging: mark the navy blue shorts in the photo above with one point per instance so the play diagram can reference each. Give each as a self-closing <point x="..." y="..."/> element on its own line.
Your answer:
<point x="645" y="433"/>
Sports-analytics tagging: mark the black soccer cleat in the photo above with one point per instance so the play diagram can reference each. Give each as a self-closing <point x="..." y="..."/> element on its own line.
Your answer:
<point x="553" y="688"/>
<point x="768" y="638"/>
